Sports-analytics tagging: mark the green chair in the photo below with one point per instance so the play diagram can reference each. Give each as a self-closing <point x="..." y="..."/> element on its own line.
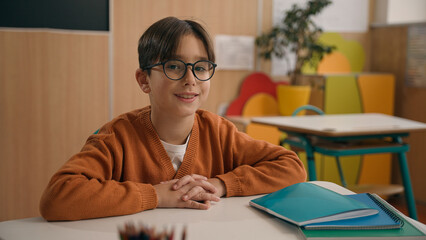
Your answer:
<point x="307" y="107"/>
<point x="296" y="141"/>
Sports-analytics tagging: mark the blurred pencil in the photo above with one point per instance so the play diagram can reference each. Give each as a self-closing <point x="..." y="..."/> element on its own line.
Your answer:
<point x="184" y="233"/>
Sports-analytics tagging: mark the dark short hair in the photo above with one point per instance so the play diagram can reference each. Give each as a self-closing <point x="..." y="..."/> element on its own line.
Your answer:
<point x="161" y="40"/>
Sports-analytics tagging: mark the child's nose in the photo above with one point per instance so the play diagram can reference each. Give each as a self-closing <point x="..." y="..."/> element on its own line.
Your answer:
<point x="189" y="77"/>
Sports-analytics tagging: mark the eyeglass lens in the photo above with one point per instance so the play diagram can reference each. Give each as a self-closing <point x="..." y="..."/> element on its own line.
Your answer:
<point x="175" y="69"/>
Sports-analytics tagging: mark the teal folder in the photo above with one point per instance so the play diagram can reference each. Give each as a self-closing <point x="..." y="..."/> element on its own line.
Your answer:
<point x="407" y="231"/>
<point x="385" y="219"/>
<point x="307" y="203"/>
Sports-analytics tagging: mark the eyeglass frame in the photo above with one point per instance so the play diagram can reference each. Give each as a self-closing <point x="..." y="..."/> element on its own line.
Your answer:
<point x="186" y="68"/>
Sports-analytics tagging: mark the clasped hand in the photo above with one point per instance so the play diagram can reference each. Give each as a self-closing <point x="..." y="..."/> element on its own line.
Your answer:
<point x="190" y="191"/>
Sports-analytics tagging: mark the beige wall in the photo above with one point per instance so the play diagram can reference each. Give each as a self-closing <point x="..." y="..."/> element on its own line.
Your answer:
<point x="53" y="94"/>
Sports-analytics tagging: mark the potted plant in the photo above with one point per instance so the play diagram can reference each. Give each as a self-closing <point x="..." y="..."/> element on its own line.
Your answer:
<point x="297" y="34"/>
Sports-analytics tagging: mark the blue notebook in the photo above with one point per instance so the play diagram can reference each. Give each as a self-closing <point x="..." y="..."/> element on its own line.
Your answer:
<point x="407" y="230"/>
<point x="385" y="219"/>
<point x="307" y="203"/>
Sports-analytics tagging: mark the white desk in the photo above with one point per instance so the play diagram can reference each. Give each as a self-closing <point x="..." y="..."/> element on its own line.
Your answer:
<point x="231" y="218"/>
<point x="339" y="125"/>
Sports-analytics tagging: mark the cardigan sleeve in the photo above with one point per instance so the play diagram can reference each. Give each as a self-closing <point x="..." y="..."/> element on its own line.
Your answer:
<point x="257" y="167"/>
<point x="89" y="186"/>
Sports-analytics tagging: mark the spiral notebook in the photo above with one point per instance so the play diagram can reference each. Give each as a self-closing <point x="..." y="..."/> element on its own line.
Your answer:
<point x="407" y="231"/>
<point x="385" y="219"/>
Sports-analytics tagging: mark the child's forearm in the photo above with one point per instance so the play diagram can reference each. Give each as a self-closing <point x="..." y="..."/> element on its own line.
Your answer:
<point x="74" y="197"/>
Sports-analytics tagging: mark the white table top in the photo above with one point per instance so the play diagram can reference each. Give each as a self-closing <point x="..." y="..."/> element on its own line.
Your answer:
<point x="231" y="218"/>
<point x="343" y="124"/>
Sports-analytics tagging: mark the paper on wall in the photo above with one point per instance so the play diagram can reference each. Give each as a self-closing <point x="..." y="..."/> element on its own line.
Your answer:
<point x="234" y="52"/>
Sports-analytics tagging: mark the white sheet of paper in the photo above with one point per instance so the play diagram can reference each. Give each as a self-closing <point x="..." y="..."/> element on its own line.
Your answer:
<point x="234" y="52"/>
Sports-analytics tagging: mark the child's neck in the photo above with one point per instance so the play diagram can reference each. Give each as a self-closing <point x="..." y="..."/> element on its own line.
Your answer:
<point x="172" y="130"/>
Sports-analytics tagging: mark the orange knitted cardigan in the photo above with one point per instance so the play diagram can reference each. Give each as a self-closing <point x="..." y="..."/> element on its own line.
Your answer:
<point x="116" y="169"/>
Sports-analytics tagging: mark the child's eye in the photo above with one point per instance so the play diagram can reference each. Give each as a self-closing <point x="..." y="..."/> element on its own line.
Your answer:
<point x="173" y="66"/>
<point x="200" y="69"/>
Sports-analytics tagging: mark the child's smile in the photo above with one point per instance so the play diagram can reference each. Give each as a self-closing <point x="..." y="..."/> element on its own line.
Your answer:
<point x="187" y="96"/>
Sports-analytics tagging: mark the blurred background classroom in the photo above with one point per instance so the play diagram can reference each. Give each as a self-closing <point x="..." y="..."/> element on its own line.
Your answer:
<point x="67" y="67"/>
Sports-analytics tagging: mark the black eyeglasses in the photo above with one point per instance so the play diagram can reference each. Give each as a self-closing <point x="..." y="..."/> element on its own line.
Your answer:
<point x="175" y="69"/>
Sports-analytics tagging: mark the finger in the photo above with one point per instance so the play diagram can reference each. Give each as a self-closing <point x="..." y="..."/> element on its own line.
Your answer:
<point x="182" y="182"/>
<point x="204" y="196"/>
<point x="198" y="177"/>
<point x="192" y="192"/>
<point x="207" y="186"/>
<point x="207" y="203"/>
<point x="199" y="194"/>
<point x="187" y="179"/>
<point x="196" y="205"/>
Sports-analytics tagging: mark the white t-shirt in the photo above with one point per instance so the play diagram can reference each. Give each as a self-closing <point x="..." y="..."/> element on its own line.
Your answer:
<point x="175" y="152"/>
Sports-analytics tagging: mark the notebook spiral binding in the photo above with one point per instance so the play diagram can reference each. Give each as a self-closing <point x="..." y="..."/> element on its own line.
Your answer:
<point x="391" y="214"/>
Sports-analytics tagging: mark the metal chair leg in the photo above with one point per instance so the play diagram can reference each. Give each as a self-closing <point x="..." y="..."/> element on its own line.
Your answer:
<point x="311" y="160"/>
<point x="339" y="167"/>
<point x="405" y="173"/>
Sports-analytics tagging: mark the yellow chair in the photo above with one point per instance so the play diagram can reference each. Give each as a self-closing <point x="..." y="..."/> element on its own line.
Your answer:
<point x="291" y="140"/>
<point x="262" y="104"/>
<point x="292" y="97"/>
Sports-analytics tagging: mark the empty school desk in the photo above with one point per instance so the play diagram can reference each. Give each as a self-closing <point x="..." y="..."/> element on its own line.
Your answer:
<point x="350" y="134"/>
<point x="231" y="218"/>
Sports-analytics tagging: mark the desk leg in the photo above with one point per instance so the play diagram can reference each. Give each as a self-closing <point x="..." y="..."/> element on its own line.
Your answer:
<point x="409" y="196"/>
<point x="304" y="143"/>
<point x="310" y="159"/>
<point x="311" y="166"/>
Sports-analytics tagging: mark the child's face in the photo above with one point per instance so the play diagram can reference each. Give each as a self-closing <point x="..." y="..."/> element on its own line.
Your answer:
<point x="183" y="97"/>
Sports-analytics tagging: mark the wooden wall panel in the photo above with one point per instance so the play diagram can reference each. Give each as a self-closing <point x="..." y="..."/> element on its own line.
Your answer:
<point x="132" y="17"/>
<point x="53" y="94"/>
<point x="388" y="54"/>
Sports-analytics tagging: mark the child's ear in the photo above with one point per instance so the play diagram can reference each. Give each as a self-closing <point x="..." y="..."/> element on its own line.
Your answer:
<point x="142" y="79"/>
